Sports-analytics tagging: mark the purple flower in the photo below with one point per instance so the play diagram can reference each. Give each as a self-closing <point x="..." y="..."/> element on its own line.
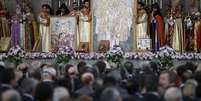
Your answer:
<point x="16" y="51"/>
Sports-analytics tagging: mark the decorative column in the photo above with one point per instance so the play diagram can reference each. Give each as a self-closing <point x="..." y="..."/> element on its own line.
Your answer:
<point x="199" y="4"/>
<point x="135" y="25"/>
<point x="3" y="3"/>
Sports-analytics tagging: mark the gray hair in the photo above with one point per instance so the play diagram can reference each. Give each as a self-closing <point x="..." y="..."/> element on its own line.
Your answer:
<point x="60" y="93"/>
<point x="173" y="94"/>
<point x="144" y="65"/>
<point x="190" y="88"/>
<point x="11" y="95"/>
<point x="110" y="94"/>
<point x="29" y="84"/>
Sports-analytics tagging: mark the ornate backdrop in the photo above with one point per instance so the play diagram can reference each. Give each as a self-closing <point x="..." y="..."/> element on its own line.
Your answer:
<point x="113" y="20"/>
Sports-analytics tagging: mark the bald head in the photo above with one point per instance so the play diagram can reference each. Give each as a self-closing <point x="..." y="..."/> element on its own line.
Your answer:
<point x="173" y="94"/>
<point x="110" y="94"/>
<point x="11" y="95"/>
<point x="87" y="78"/>
<point x="60" y="94"/>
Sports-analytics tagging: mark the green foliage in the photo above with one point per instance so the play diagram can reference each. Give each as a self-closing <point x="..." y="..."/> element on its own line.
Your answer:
<point x="166" y="61"/>
<point x="14" y="59"/>
<point x="62" y="59"/>
<point x="115" y="58"/>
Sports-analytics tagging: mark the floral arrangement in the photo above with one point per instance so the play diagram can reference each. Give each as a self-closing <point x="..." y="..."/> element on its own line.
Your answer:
<point x="40" y="55"/>
<point x="64" y="54"/>
<point x="89" y="56"/>
<point x="15" y="55"/>
<point x="165" y="57"/>
<point x="115" y="55"/>
<point x="139" y="56"/>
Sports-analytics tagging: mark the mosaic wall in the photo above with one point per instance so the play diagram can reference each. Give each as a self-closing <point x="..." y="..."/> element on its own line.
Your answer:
<point x="113" y="21"/>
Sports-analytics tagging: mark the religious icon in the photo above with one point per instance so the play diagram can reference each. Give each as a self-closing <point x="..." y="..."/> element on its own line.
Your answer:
<point x="84" y="47"/>
<point x="63" y="32"/>
<point x="104" y="46"/>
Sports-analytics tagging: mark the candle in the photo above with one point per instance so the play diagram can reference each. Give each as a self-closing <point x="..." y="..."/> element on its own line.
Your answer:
<point x="150" y="2"/>
<point x="69" y="1"/>
<point x="59" y="3"/>
<point x="78" y="3"/>
<point x="161" y="4"/>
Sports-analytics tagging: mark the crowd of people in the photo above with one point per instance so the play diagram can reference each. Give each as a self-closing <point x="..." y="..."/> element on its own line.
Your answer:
<point x="100" y="82"/>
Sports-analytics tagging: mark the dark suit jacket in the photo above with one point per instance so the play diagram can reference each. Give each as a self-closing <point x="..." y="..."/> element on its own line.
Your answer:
<point x="151" y="97"/>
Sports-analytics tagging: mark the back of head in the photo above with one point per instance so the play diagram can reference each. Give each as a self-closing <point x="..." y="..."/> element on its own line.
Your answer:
<point x="11" y="95"/>
<point x="2" y="66"/>
<point x="191" y="66"/>
<point x="129" y="67"/>
<point x="87" y="78"/>
<point x="85" y="98"/>
<point x="198" y="68"/>
<point x="189" y="89"/>
<point x="173" y="94"/>
<point x="172" y="77"/>
<point x="146" y="68"/>
<point x="133" y="86"/>
<point x="131" y="98"/>
<point x="109" y="81"/>
<point x="43" y="92"/>
<point x="198" y="92"/>
<point x="180" y="70"/>
<point x="67" y="67"/>
<point x="49" y="73"/>
<point x="7" y="75"/>
<point x="151" y="83"/>
<point x="154" y="66"/>
<point x="60" y="94"/>
<point x="36" y="74"/>
<point x="81" y="66"/>
<point x="101" y="66"/>
<point x="197" y="76"/>
<point x="110" y="94"/>
<point x="28" y="85"/>
<point x="1" y="69"/>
